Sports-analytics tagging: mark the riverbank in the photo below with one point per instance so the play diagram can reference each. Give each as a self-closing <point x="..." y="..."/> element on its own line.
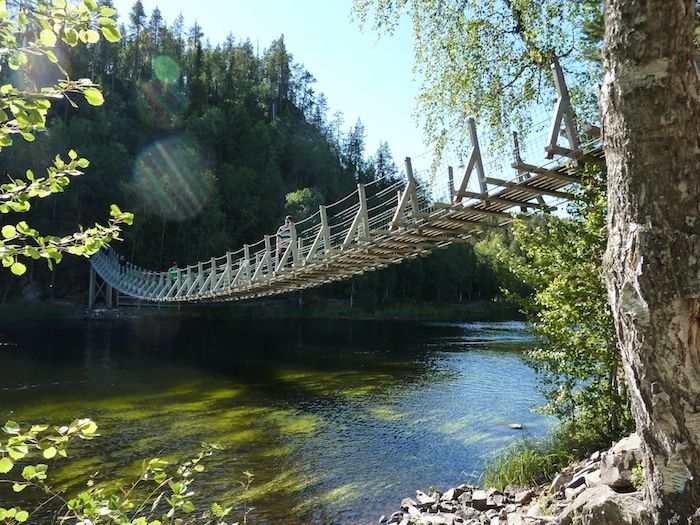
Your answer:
<point x="282" y="308"/>
<point x="602" y="489"/>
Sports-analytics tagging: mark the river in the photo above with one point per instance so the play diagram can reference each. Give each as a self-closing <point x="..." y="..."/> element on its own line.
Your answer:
<point x="337" y="420"/>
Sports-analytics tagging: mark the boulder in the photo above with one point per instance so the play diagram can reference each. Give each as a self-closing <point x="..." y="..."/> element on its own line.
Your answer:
<point x="479" y="500"/>
<point x="437" y="519"/>
<point x="408" y="502"/>
<point x="616" y="469"/>
<point x="450" y="495"/>
<point x="515" y="519"/>
<point x="603" y="506"/>
<point x="468" y="513"/>
<point x="465" y="499"/>
<point x="424" y="499"/>
<point x="593" y="478"/>
<point x="629" y="444"/>
<point x="524" y="497"/>
<point x="571" y="493"/>
<point x="558" y="483"/>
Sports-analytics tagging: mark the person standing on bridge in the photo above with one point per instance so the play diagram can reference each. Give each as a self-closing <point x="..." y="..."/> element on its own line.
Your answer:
<point x="284" y="236"/>
<point x="174" y="271"/>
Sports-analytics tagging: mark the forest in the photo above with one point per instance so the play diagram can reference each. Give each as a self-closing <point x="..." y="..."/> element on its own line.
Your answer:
<point x="210" y="146"/>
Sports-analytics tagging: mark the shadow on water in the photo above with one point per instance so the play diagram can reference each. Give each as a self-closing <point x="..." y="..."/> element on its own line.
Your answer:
<point x="338" y="420"/>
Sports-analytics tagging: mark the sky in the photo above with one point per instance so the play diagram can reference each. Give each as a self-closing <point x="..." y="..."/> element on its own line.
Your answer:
<point x="362" y="75"/>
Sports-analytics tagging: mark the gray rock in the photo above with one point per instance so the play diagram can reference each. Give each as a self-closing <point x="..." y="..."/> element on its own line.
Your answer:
<point x="407" y="502"/>
<point x="491" y="513"/>
<point x="449" y="506"/>
<point x="405" y="521"/>
<point x="424" y="499"/>
<point x="495" y="521"/>
<point x="603" y="506"/>
<point x="479" y="500"/>
<point x="465" y="499"/>
<point x="468" y="513"/>
<point x="629" y="444"/>
<point x="571" y="493"/>
<point x="593" y="478"/>
<point x="576" y="481"/>
<point x="524" y="497"/>
<point x="382" y="519"/>
<point x="515" y="519"/>
<point x="558" y="483"/>
<point x="451" y="494"/>
<point x="534" y="510"/>
<point x="414" y="512"/>
<point x="437" y="519"/>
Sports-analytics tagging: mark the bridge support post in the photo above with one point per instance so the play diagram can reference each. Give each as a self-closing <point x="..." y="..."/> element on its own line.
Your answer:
<point x="361" y="218"/>
<point x="325" y="229"/>
<point x="474" y="162"/>
<point x="409" y="195"/>
<point x="294" y="242"/>
<point x="364" y="217"/>
<point x="562" y="113"/>
<point x="451" y="182"/>
<point x="246" y="257"/>
<point x="97" y="289"/>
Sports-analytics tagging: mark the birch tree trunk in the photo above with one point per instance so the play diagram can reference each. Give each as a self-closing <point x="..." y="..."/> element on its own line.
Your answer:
<point x="651" y="119"/>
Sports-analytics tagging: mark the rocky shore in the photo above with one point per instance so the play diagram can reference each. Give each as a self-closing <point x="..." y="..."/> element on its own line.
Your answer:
<point x="596" y="491"/>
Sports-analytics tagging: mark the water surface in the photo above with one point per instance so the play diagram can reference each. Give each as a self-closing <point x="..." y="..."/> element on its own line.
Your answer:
<point x="337" y="420"/>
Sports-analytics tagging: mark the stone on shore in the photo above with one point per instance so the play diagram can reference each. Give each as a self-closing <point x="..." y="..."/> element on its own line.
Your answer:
<point x="596" y="491"/>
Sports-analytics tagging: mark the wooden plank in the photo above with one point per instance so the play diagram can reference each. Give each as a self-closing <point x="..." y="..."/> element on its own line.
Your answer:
<point x="510" y="202"/>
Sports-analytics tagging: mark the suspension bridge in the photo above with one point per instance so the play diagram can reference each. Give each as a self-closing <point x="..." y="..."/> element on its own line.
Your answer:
<point x="381" y="223"/>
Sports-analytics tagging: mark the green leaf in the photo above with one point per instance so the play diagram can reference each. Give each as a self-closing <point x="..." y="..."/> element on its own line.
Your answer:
<point x="70" y="36"/>
<point x="6" y="465"/>
<point x="19" y="487"/>
<point x="107" y="11"/>
<point x="11" y="427"/>
<point x="111" y="33"/>
<point x="22" y="516"/>
<point x="9" y="231"/>
<point x="94" y="96"/>
<point x="47" y="38"/>
<point x="18" y="268"/>
<point x="90" y="4"/>
<point x="92" y="36"/>
<point x="72" y="155"/>
<point x="49" y="452"/>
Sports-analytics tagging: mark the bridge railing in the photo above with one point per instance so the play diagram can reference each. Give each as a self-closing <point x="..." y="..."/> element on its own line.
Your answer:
<point x="333" y="228"/>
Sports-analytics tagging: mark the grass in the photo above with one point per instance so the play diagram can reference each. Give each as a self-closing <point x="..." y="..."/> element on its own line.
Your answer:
<point x="533" y="463"/>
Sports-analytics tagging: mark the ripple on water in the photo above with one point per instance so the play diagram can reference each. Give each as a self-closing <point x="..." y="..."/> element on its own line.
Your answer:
<point x="337" y="425"/>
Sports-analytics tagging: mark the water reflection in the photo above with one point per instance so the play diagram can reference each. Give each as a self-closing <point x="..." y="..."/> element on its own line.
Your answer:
<point x="337" y="420"/>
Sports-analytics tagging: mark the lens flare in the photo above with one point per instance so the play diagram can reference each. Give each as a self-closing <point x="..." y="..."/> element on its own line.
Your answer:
<point x="161" y="106"/>
<point x="165" y="69"/>
<point x="171" y="180"/>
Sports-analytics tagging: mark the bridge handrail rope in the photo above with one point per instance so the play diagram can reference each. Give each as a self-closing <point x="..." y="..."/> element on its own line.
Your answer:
<point x="373" y="226"/>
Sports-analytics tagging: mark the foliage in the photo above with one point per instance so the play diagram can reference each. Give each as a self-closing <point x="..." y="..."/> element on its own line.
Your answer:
<point x="485" y="59"/>
<point x="577" y="356"/>
<point x="159" y="495"/>
<point x="303" y="203"/>
<point x="637" y="477"/>
<point x="531" y="463"/>
<point x="26" y="39"/>
<point x="208" y="167"/>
